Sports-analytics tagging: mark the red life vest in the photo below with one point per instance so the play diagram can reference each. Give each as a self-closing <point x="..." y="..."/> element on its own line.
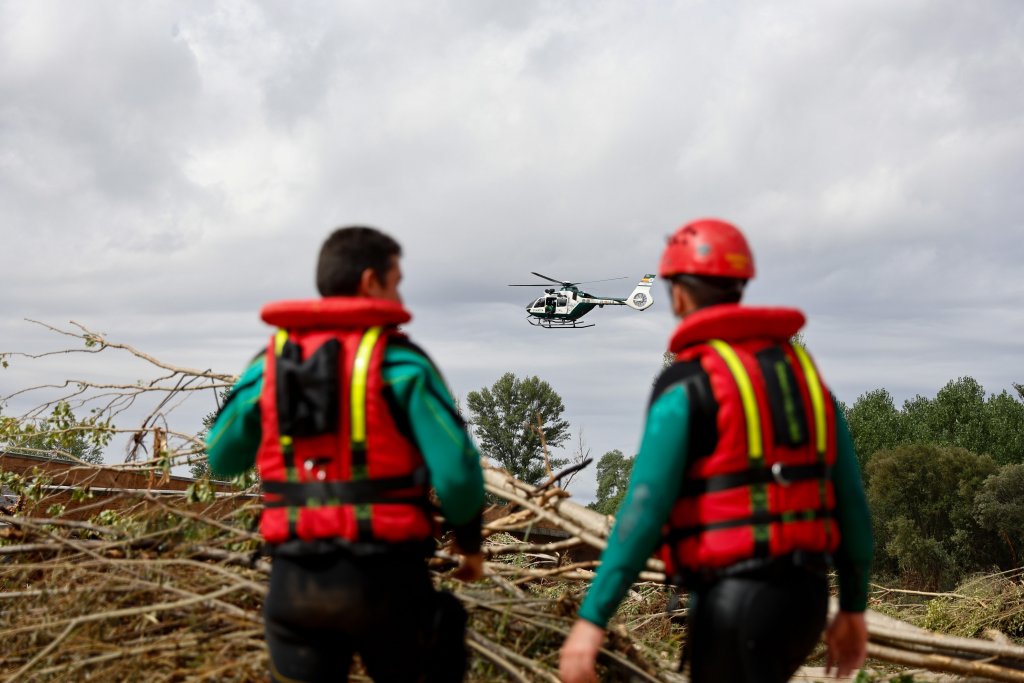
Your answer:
<point x="332" y="461"/>
<point x="758" y="477"/>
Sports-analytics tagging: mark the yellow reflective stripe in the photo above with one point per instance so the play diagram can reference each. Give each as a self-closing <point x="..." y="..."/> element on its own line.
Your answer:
<point x="279" y="339"/>
<point x="750" y="409"/>
<point x="817" y="399"/>
<point x="360" y="370"/>
<point x="814" y="388"/>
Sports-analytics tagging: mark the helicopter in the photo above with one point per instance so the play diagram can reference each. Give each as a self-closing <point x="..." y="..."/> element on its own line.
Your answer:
<point x="564" y="306"/>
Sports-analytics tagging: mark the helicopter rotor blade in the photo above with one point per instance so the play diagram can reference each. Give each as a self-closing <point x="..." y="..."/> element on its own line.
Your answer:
<point x="535" y="284"/>
<point x="607" y="279"/>
<point x="551" y="279"/>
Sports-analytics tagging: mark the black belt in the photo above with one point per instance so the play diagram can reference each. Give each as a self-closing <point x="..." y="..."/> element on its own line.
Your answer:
<point x="758" y="518"/>
<point x="347" y="492"/>
<point x="784" y="475"/>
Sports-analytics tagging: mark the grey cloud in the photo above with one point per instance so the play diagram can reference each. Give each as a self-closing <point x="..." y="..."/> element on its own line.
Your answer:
<point x="166" y="163"/>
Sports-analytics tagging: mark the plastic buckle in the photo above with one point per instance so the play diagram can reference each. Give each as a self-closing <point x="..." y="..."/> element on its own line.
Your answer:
<point x="777" y="475"/>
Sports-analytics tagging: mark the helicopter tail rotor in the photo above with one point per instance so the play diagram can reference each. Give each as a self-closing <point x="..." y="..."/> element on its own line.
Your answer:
<point x="641" y="298"/>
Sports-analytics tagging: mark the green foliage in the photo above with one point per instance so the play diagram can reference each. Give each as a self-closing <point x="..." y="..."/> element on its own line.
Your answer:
<point x="960" y="415"/>
<point x="875" y="424"/>
<point x="200" y="491"/>
<point x="613" y="471"/>
<point x="505" y="419"/>
<point x="107" y="517"/>
<point x="999" y="508"/>
<point x="59" y="435"/>
<point x="81" y="494"/>
<point x="922" y="508"/>
<point x="199" y="466"/>
<point x="956" y="416"/>
<point x="994" y="601"/>
<point x="1005" y="428"/>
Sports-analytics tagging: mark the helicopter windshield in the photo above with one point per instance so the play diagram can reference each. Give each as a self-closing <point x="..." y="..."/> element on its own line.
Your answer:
<point x="537" y="304"/>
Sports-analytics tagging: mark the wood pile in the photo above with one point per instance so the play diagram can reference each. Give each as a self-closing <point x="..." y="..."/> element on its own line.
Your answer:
<point x="162" y="591"/>
<point x="148" y="585"/>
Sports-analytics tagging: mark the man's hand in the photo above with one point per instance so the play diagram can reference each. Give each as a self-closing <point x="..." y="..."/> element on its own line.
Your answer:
<point x="847" y="643"/>
<point x="579" y="653"/>
<point x="471" y="567"/>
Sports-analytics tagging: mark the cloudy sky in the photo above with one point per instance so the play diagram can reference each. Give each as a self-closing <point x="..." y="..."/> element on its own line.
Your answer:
<point x="168" y="167"/>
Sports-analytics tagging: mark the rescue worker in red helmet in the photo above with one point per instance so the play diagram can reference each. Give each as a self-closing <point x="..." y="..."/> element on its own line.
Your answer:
<point x="746" y="479"/>
<point x="350" y="425"/>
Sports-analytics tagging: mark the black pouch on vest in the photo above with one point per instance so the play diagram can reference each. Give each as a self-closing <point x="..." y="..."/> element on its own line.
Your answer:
<point x="307" y="391"/>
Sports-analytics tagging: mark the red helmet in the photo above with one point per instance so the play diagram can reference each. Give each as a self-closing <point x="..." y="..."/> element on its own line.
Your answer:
<point x="710" y="247"/>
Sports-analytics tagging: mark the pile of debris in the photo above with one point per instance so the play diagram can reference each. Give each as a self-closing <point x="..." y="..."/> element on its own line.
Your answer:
<point x="160" y="590"/>
<point x="101" y="579"/>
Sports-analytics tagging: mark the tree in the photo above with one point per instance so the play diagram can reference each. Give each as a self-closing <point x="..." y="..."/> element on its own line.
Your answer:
<point x="955" y="417"/>
<point x="667" y="359"/>
<point x="875" y="424"/>
<point x="515" y="419"/>
<point x="960" y="415"/>
<point x="1004" y="416"/>
<point x="199" y="467"/>
<point x="923" y="513"/>
<point x="613" y="471"/>
<point x="59" y="435"/>
<point x="998" y="508"/>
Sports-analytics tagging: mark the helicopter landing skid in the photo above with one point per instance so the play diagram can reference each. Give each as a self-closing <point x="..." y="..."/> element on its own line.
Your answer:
<point x="556" y="323"/>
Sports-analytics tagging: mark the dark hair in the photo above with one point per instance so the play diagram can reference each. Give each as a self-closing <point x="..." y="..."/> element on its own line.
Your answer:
<point x="347" y="253"/>
<point x="711" y="291"/>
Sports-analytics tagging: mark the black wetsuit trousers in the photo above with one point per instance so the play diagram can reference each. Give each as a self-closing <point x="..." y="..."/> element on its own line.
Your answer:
<point x="756" y="629"/>
<point x="322" y="609"/>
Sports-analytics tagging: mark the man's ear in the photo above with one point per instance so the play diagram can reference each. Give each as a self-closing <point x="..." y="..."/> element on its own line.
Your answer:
<point x="682" y="302"/>
<point x="369" y="284"/>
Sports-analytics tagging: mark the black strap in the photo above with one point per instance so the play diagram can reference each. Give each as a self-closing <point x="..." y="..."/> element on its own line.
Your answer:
<point x="778" y="473"/>
<point x="703" y="406"/>
<point x="674" y="535"/>
<point x="785" y="405"/>
<point x="347" y="492"/>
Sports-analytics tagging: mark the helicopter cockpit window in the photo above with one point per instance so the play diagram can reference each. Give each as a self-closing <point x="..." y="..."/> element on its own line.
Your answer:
<point x="562" y="301"/>
<point x="538" y="303"/>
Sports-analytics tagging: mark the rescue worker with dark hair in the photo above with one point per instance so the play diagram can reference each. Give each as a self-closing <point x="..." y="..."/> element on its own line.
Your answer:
<point x="748" y="481"/>
<point x="350" y="424"/>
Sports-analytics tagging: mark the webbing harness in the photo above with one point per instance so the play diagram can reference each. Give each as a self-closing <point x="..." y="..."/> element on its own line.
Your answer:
<point x="757" y="475"/>
<point x="360" y="490"/>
